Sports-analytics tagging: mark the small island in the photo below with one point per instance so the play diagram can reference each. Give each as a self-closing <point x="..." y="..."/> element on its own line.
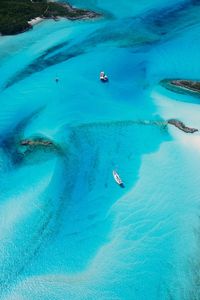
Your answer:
<point x="36" y="142"/>
<point x="39" y="143"/>
<point x="182" y="85"/>
<point x="17" y="16"/>
<point x="187" y="84"/>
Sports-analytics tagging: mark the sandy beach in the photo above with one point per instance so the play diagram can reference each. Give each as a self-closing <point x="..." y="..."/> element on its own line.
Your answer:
<point x="35" y="21"/>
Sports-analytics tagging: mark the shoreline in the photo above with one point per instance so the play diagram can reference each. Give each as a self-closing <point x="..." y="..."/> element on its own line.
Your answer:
<point x="20" y="20"/>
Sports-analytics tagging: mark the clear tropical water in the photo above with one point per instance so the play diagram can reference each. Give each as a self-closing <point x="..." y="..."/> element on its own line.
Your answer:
<point x="67" y="231"/>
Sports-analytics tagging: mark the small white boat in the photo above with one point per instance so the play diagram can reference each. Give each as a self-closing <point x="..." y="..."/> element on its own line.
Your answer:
<point x="117" y="178"/>
<point x="103" y="76"/>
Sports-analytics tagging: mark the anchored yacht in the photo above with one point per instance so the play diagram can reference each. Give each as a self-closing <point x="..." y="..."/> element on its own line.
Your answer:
<point x="117" y="178"/>
<point x="103" y="76"/>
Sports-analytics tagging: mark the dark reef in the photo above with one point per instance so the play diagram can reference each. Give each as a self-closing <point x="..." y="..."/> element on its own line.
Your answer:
<point x="16" y="14"/>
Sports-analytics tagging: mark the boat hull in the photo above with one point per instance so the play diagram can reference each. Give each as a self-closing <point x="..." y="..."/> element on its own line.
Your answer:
<point x="118" y="179"/>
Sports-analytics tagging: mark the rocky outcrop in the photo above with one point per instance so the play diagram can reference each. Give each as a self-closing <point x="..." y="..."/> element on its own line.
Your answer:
<point x="36" y="142"/>
<point x="187" y="84"/>
<point x="182" y="86"/>
<point x="180" y="125"/>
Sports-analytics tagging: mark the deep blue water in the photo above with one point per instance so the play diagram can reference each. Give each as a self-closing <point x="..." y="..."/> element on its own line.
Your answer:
<point x="67" y="230"/>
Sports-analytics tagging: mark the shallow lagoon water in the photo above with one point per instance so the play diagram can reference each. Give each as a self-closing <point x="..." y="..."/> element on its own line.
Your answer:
<point x="67" y="230"/>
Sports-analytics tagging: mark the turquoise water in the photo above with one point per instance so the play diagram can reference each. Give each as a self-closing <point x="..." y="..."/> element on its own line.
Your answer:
<point x="67" y="230"/>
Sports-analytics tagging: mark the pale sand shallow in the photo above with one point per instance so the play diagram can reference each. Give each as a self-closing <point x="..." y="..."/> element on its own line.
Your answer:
<point x="186" y="112"/>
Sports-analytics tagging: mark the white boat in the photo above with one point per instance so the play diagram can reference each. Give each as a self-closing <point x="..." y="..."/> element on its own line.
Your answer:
<point x="117" y="178"/>
<point x="103" y="76"/>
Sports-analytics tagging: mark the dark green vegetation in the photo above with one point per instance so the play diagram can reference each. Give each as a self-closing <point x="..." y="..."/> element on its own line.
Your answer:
<point x="15" y="14"/>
